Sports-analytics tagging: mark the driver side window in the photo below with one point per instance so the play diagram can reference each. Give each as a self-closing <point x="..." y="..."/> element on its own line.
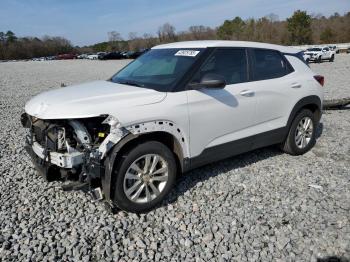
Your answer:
<point x="228" y="63"/>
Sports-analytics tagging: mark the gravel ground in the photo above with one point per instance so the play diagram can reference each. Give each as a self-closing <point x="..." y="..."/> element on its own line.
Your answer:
<point x="262" y="205"/>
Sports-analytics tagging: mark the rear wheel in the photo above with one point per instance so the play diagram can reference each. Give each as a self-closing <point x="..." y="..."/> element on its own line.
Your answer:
<point x="144" y="177"/>
<point x="302" y="133"/>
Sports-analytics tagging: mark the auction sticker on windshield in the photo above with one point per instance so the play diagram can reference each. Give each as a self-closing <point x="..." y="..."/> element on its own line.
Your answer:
<point x="187" y="53"/>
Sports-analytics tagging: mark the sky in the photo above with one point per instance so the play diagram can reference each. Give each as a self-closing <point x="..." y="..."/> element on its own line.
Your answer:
<point x="86" y="22"/>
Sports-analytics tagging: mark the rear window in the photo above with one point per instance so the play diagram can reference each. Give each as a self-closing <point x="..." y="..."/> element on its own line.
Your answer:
<point x="268" y="64"/>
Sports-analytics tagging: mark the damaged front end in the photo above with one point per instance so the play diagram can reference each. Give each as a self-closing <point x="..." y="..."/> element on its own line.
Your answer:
<point x="73" y="149"/>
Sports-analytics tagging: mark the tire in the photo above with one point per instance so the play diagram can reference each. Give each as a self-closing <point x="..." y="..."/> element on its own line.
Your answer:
<point x="319" y="59"/>
<point x="331" y="59"/>
<point x="123" y="184"/>
<point x="290" y="145"/>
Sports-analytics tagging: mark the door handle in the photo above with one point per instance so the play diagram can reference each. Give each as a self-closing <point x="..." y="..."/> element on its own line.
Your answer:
<point x="295" y="85"/>
<point x="248" y="93"/>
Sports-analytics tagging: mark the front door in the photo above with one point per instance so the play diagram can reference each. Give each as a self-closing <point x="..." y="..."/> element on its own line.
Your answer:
<point x="220" y="116"/>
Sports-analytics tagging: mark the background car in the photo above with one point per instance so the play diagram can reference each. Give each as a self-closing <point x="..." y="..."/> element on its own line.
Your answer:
<point x="66" y="56"/>
<point x="319" y="54"/>
<point x="111" y="55"/>
<point x="92" y="56"/>
<point x="82" y="56"/>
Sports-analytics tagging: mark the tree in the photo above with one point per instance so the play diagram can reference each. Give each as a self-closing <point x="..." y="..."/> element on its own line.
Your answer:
<point x="10" y="37"/>
<point x="166" y="33"/>
<point x="114" y="39"/>
<point x="272" y="17"/>
<point x="149" y="40"/>
<point x="232" y="29"/>
<point x="2" y="37"/>
<point x="135" y="43"/>
<point x="114" y="36"/>
<point x="199" y="32"/>
<point x="299" y="27"/>
<point x="327" y="36"/>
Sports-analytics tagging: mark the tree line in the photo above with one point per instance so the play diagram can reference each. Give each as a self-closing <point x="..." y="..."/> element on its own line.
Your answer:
<point x="13" y="47"/>
<point x="301" y="28"/>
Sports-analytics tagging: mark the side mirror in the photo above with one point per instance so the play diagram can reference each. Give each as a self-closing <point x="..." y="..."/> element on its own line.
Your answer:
<point x="209" y="80"/>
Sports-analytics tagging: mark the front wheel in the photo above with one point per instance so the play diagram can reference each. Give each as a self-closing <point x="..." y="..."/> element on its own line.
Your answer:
<point x="144" y="177"/>
<point x="319" y="59"/>
<point x="302" y="133"/>
<point x="331" y="59"/>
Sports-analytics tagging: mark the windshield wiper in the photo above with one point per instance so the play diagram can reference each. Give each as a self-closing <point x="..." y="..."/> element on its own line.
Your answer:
<point x="130" y="83"/>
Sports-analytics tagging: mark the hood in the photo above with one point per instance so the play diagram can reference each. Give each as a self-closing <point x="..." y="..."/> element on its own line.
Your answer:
<point x="311" y="52"/>
<point x="89" y="100"/>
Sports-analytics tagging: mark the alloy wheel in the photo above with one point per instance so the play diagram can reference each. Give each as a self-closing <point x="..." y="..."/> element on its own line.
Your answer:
<point x="146" y="178"/>
<point x="303" y="132"/>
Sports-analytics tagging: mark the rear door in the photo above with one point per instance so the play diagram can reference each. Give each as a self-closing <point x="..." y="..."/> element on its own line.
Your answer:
<point x="275" y="88"/>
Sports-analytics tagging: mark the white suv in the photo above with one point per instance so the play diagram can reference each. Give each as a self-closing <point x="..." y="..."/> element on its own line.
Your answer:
<point x="177" y="107"/>
<point x="319" y="54"/>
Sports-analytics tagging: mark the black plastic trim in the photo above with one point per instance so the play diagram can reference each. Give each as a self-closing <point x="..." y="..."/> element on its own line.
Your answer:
<point x="109" y="163"/>
<point x="308" y="100"/>
<point x="237" y="147"/>
<point x="39" y="164"/>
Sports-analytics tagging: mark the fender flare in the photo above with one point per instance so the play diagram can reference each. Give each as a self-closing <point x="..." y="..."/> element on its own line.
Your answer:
<point x="308" y="100"/>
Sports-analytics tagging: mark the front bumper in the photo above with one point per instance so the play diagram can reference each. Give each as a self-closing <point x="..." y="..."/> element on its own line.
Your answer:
<point x="64" y="160"/>
<point x="47" y="163"/>
<point x="311" y="56"/>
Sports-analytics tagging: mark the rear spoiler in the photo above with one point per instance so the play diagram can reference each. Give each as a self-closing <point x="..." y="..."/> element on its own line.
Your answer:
<point x="298" y="55"/>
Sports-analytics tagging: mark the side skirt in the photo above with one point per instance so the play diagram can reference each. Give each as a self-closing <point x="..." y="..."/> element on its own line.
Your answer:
<point x="220" y="152"/>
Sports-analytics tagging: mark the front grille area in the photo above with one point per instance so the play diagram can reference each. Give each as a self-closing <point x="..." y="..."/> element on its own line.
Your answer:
<point x="45" y="134"/>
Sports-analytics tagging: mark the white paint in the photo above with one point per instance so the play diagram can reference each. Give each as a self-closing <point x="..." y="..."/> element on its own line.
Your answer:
<point x="225" y="43"/>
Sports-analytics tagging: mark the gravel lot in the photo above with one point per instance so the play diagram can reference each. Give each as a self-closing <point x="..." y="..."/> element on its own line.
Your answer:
<point x="262" y="205"/>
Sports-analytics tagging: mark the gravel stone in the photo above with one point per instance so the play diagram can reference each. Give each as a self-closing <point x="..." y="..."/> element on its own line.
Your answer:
<point x="263" y="205"/>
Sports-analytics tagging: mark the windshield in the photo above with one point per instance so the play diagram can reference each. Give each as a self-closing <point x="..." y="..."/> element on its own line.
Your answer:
<point x="159" y="69"/>
<point x="314" y="49"/>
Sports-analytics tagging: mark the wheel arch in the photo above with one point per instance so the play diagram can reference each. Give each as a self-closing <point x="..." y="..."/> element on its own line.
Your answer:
<point x="312" y="103"/>
<point x="130" y="141"/>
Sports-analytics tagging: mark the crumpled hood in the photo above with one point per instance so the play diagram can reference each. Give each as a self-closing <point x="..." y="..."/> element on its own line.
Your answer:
<point x="89" y="100"/>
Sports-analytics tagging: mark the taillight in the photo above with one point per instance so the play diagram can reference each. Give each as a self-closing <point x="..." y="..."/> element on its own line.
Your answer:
<point x="319" y="79"/>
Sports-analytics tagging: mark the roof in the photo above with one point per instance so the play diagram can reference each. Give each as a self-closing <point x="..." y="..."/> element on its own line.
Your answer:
<point x="224" y="43"/>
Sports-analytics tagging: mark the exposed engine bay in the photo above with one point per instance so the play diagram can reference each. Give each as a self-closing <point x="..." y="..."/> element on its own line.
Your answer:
<point x="71" y="149"/>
